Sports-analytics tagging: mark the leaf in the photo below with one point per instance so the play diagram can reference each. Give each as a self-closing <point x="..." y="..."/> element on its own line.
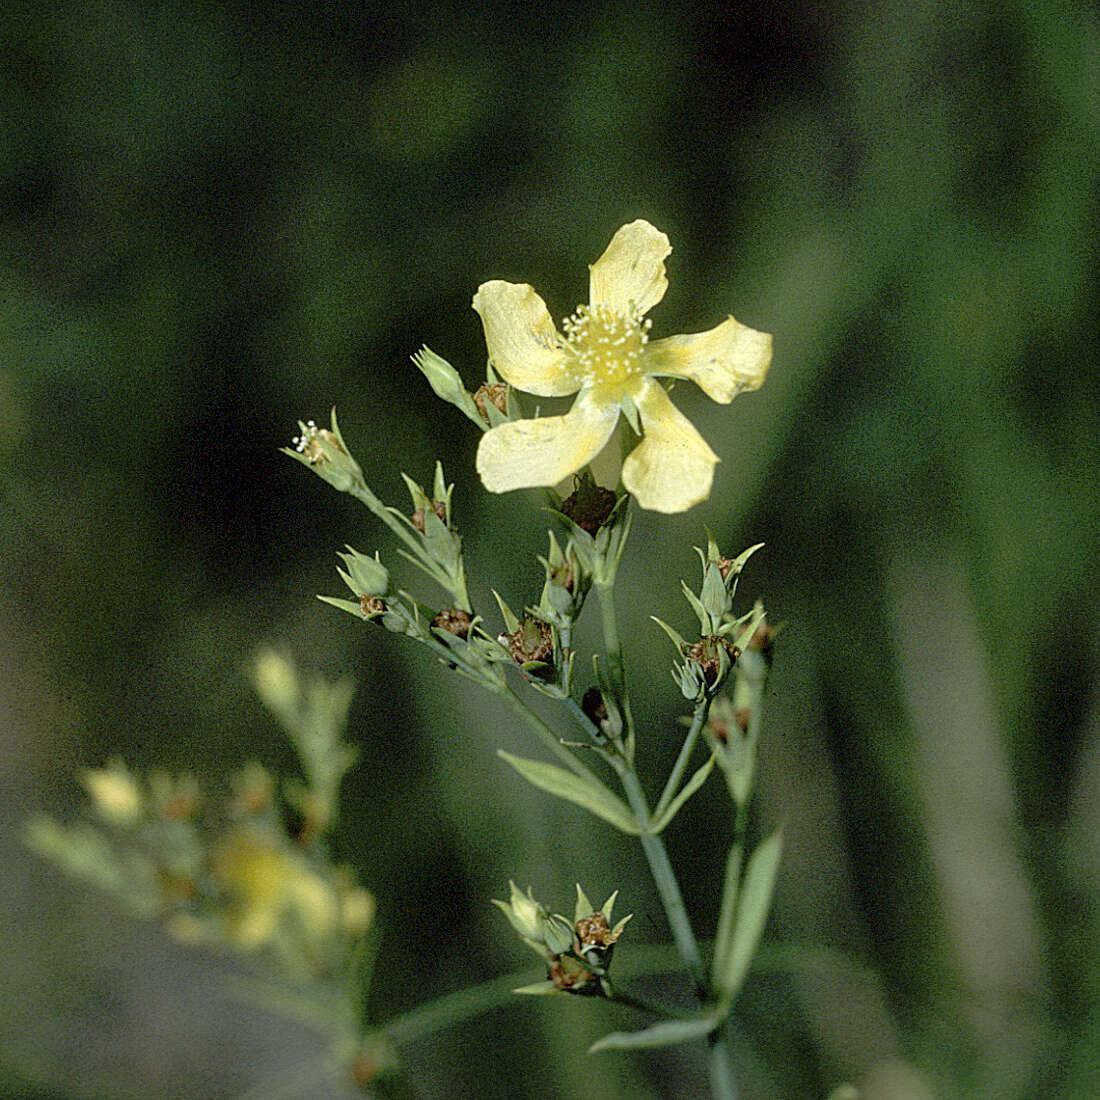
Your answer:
<point x="677" y="638"/>
<point x="755" y="902"/>
<point x="537" y="989"/>
<point x="689" y="788"/>
<point x="665" y="1034"/>
<point x="700" y="611"/>
<point x="344" y="605"/>
<point x="589" y="793"/>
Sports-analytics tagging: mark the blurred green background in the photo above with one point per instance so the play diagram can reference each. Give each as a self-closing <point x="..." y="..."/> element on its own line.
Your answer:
<point x="217" y="218"/>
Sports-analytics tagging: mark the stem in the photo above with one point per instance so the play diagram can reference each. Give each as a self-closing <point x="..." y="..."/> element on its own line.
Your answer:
<point x="665" y="880"/>
<point x="677" y="773"/>
<point x="366" y="497"/>
<point x="731" y="888"/>
<point x="546" y="735"/>
<point x="617" y="667"/>
<point x="722" y="1083"/>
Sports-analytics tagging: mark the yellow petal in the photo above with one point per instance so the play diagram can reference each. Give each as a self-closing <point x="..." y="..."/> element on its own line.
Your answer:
<point x="723" y="361"/>
<point x="523" y="343"/>
<point x="632" y="269"/>
<point x="525" y="453"/>
<point x="672" y="468"/>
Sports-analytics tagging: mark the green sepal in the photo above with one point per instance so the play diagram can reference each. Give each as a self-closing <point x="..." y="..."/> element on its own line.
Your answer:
<point x="557" y="934"/>
<point x="689" y="788"/>
<point x="590" y="794"/>
<point x="583" y="908"/>
<point x="701" y="612"/>
<point x="441" y="490"/>
<point x="365" y="576"/>
<point x="511" y="623"/>
<point x="667" y="1033"/>
<point x="738" y="564"/>
<point x="714" y="597"/>
<point x="733" y="958"/>
<point x="677" y="638"/>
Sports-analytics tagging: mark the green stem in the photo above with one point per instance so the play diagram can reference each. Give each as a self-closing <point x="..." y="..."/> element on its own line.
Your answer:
<point x="731" y="889"/>
<point x="617" y="666"/>
<point x="366" y="497"/>
<point x="546" y="735"/>
<point x="665" y="880"/>
<point x="677" y="773"/>
<point x="723" y="1086"/>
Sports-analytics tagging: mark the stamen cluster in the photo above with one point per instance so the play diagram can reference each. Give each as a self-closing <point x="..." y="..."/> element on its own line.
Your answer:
<point x="605" y="344"/>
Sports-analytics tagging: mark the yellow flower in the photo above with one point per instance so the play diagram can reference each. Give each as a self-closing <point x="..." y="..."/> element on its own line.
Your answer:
<point x="114" y="793"/>
<point x="606" y="358"/>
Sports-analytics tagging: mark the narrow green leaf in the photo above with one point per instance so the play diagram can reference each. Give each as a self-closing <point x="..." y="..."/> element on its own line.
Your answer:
<point x="665" y="1034"/>
<point x="537" y="989"/>
<point x="589" y="793"/>
<point x="752" y="914"/>
<point x="344" y="605"/>
<point x="689" y="788"/>
<point x="700" y="611"/>
<point x="677" y="638"/>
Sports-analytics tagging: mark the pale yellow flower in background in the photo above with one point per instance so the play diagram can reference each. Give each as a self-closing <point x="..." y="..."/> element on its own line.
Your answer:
<point x="114" y="793"/>
<point x="606" y="358"/>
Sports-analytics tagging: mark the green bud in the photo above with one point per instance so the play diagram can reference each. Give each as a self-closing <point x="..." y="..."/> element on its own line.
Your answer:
<point x="446" y="383"/>
<point x="557" y="934"/>
<point x="276" y="681"/>
<point x="365" y="576"/>
<point x="524" y="914"/>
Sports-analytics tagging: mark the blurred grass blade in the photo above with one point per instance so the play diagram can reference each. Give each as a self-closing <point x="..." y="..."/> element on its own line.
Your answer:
<point x="668" y="1033"/>
<point x="732" y="964"/>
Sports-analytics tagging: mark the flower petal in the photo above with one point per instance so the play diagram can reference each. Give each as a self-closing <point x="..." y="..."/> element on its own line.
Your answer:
<point x="632" y="269"/>
<point x="724" y="361"/>
<point x="543" y="451"/>
<point x="672" y="468"/>
<point x="523" y="343"/>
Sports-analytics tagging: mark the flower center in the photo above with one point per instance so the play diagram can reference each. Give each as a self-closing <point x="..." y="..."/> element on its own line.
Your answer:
<point x="605" y="345"/>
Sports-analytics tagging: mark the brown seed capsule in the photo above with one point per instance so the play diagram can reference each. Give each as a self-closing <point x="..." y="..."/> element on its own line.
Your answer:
<point x="371" y="605"/>
<point x="724" y="567"/>
<point x="417" y="517"/>
<point x="532" y="640"/>
<point x="495" y="393"/>
<point x="589" y="506"/>
<point x="453" y="620"/>
<point x="705" y="654"/>
<point x="570" y="978"/>
<point x="594" y="707"/>
<point x="594" y="932"/>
